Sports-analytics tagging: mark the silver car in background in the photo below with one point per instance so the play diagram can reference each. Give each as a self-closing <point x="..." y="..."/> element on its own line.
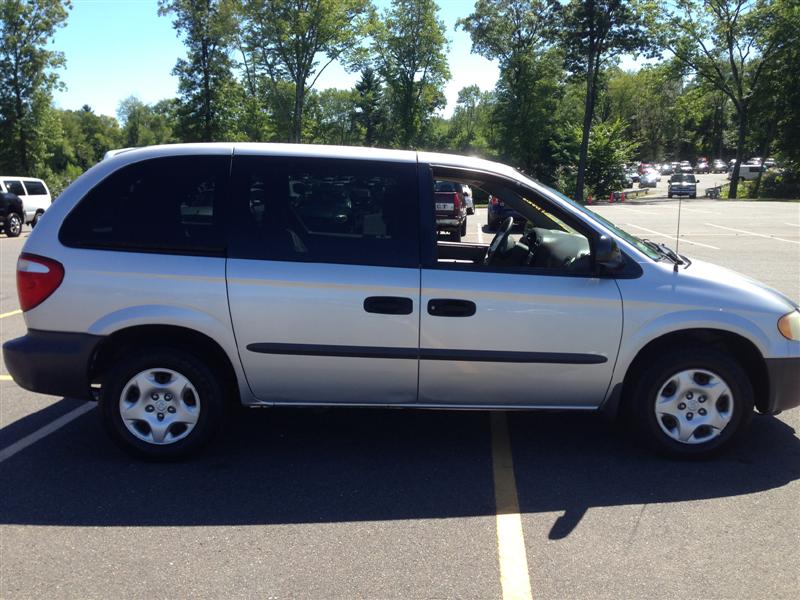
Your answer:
<point x="169" y="282"/>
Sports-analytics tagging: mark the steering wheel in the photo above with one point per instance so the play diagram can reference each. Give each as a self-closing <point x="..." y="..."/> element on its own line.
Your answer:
<point x="500" y="240"/>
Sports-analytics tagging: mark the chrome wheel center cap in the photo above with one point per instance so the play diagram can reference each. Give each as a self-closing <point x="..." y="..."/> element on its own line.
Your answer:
<point x="161" y="405"/>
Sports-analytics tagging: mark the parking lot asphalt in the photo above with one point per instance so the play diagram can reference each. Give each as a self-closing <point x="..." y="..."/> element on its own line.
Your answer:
<point x="346" y="503"/>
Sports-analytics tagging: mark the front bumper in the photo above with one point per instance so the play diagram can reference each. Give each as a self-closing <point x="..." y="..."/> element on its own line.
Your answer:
<point x="784" y="384"/>
<point x="52" y="362"/>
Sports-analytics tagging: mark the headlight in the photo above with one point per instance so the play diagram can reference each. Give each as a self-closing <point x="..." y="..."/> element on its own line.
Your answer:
<point x="789" y="325"/>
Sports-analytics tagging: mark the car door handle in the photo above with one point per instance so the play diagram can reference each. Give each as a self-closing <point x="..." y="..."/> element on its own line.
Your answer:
<point x="446" y="307"/>
<point x="388" y="305"/>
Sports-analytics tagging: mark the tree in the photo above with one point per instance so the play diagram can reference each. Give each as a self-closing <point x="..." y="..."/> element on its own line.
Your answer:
<point x="595" y="33"/>
<point x="204" y="77"/>
<point x="519" y="35"/>
<point x="729" y="44"/>
<point x="284" y="39"/>
<point x="27" y="70"/>
<point x="144" y="125"/>
<point x="370" y="111"/>
<point x="410" y="49"/>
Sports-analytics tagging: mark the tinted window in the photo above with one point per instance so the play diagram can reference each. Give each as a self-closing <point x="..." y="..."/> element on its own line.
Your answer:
<point x="682" y="179"/>
<point x="325" y="210"/>
<point x="14" y="187"/>
<point x="35" y="188"/>
<point x="447" y="186"/>
<point x="167" y="205"/>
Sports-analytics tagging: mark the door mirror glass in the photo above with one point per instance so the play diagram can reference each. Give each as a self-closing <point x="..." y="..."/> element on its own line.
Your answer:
<point x="607" y="254"/>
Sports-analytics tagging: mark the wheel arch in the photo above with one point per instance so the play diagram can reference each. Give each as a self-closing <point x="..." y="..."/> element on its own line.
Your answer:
<point x="129" y="339"/>
<point x="743" y="350"/>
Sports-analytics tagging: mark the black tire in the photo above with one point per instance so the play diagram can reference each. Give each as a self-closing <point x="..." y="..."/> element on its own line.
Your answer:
<point x="491" y="225"/>
<point x="693" y="196"/>
<point x="35" y="220"/>
<point x="455" y="235"/>
<point x="669" y="195"/>
<point x="464" y="228"/>
<point x="210" y="398"/>
<point x="471" y="210"/>
<point x="647" y="384"/>
<point x="13" y="226"/>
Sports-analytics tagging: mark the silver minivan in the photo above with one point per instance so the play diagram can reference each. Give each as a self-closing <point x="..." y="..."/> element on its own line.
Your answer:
<point x="169" y="282"/>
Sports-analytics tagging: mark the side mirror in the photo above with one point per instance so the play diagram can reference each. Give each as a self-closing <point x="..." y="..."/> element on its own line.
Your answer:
<point x="607" y="254"/>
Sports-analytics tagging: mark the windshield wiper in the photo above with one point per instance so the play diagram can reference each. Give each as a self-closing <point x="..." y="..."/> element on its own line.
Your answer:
<point x="665" y="251"/>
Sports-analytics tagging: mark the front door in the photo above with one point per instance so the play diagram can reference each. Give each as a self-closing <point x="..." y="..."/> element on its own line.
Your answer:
<point x="323" y="279"/>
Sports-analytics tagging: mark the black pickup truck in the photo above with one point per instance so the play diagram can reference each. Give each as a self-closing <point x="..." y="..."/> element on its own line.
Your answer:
<point x="11" y="214"/>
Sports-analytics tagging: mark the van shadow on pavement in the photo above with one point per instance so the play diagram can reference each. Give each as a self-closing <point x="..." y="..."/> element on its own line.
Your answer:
<point x="340" y="465"/>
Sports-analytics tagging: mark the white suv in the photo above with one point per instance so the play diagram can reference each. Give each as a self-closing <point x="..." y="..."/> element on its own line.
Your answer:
<point x="33" y="192"/>
<point x="170" y="281"/>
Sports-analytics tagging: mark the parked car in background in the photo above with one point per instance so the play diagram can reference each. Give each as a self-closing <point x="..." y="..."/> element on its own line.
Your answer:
<point x="469" y="199"/>
<point x="498" y="212"/>
<point x="682" y="184"/>
<point x="719" y="166"/>
<point x="667" y="169"/>
<point x="167" y="322"/>
<point x="769" y="163"/>
<point x="12" y="214"/>
<point x="633" y="174"/>
<point x="451" y="209"/>
<point x="650" y="179"/>
<point x="685" y="167"/>
<point x="747" y="172"/>
<point x="702" y="166"/>
<point x="34" y="195"/>
<point x="756" y="160"/>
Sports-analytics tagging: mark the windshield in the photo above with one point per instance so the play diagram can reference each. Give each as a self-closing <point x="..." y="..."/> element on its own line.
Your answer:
<point x="631" y="239"/>
<point x="684" y="178"/>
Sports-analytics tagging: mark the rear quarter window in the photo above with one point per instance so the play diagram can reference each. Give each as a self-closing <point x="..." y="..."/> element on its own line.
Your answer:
<point x="35" y="188"/>
<point x="172" y="205"/>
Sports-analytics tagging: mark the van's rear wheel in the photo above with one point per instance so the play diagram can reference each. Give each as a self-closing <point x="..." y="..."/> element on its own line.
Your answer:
<point x="691" y="404"/>
<point x="162" y="403"/>
<point x="35" y="220"/>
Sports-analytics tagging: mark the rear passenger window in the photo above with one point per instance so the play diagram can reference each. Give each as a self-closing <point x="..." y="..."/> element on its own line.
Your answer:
<point x="169" y="205"/>
<point x="35" y="188"/>
<point x="325" y="210"/>
<point x="14" y="187"/>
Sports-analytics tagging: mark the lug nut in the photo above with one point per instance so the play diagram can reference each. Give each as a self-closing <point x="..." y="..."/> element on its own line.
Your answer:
<point x="149" y="408"/>
<point x="689" y="395"/>
<point x="160" y="416"/>
<point x="690" y="416"/>
<point x="702" y="412"/>
<point x="171" y="409"/>
<point x="701" y="399"/>
<point x="154" y="396"/>
<point x="681" y="406"/>
<point x="167" y="397"/>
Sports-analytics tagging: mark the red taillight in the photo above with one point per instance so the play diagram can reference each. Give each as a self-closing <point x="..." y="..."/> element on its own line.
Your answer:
<point x="458" y="201"/>
<point x="496" y="201"/>
<point x="37" y="278"/>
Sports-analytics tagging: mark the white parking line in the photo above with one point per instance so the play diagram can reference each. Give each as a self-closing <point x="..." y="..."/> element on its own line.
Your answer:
<point x="753" y="233"/>
<point x="672" y="237"/>
<point x="37" y="435"/>
<point x="10" y="313"/>
<point x="793" y="224"/>
<point x="480" y="232"/>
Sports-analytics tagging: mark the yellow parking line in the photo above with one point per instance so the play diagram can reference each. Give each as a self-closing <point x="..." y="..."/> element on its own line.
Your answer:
<point x="5" y="378"/>
<point x="514" y="578"/>
<point x="10" y="313"/>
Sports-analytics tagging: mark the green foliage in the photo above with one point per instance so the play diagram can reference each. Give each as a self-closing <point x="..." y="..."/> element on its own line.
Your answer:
<point x="610" y="149"/>
<point x="205" y="80"/>
<point x="410" y="54"/>
<point x="144" y="125"/>
<point x="27" y="70"/>
<point x="370" y="109"/>
<point x="284" y="40"/>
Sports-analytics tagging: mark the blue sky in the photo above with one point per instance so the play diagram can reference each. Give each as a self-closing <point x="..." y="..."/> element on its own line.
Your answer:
<point x="118" y="48"/>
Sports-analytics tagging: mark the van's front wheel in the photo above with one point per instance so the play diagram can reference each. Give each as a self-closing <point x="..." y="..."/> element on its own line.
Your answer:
<point x="691" y="404"/>
<point x="162" y="403"/>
